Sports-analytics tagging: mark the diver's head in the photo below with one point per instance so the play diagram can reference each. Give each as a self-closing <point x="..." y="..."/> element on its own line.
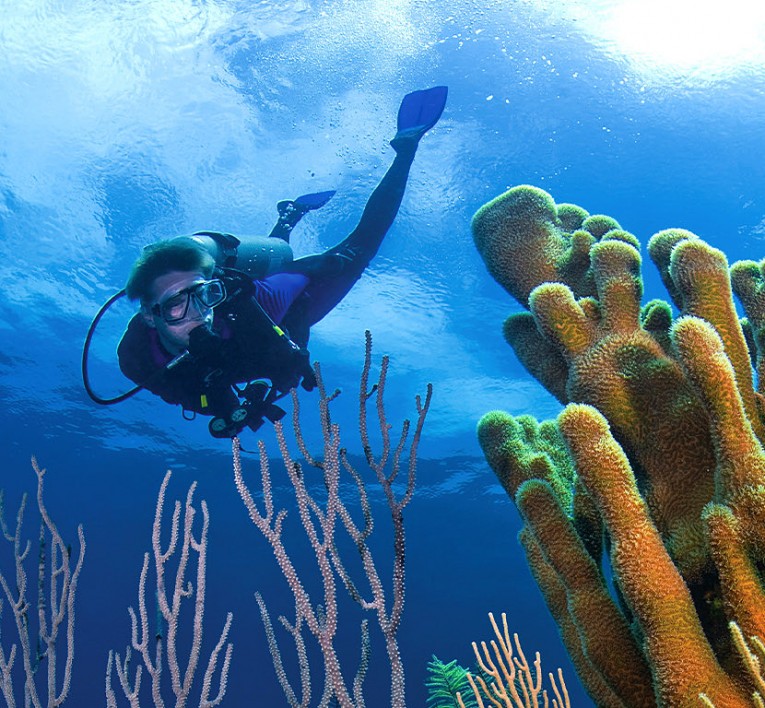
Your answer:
<point x="172" y="281"/>
<point x="180" y="254"/>
<point x="181" y="301"/>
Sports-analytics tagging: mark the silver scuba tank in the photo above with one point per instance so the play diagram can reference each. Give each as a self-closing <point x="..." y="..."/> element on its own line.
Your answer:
<point x="258" y="256"/>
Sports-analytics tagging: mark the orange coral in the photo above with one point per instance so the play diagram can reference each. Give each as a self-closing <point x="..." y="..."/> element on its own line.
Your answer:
<point x="665" y="437"/>
<point x="526" y="239"/>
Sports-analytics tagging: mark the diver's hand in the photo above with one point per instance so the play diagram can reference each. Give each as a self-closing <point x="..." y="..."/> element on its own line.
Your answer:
<point x="205" y="345"/>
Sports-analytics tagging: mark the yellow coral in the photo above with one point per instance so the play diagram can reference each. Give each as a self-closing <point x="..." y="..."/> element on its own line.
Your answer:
<point x="643" y="392"/>
<point x="525" y="240"/>
<point x="683" y="661"/>
<point x="665" y="432"/>
<point x="612" y="647"/>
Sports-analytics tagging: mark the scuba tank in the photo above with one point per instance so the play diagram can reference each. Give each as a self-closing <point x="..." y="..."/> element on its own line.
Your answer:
<point x="258" y="256"/>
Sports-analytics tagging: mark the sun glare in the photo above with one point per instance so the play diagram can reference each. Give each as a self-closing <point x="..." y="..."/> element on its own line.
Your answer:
<point x="687" y="35"/>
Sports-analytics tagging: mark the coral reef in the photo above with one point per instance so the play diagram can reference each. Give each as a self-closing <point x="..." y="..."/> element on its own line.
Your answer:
<point x="657" y="458"/>
<point x="171" y="651"/>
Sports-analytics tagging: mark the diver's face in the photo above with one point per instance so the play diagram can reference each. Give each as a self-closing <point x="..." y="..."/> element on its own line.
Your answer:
<point x="175" y="335"/>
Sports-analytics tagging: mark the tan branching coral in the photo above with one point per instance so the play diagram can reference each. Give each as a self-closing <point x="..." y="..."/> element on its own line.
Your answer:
<point x="508" y="679"/>
<point x="661" y="445"/>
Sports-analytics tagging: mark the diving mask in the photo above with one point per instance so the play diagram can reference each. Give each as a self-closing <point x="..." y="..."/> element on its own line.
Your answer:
<point x="206" y="294"/>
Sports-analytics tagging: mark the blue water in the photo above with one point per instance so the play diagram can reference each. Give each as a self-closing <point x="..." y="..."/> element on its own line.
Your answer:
<point x="122" y="123"/>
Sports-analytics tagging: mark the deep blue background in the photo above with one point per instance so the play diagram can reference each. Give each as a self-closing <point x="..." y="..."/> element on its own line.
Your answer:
<point x="122" y="123"/>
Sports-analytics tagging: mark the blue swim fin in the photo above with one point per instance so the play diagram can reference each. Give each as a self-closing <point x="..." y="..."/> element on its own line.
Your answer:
<point x="291" y="211"/>
<point x="304" y="203"/>
<point x="315" y="200"/>
<point x="420" y="110"/>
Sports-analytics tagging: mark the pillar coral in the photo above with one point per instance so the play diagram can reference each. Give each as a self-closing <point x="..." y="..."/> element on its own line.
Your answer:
<point x="657" y="457"/>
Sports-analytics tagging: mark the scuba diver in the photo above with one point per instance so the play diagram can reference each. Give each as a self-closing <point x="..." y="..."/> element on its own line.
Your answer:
<point x="224" y="323"/>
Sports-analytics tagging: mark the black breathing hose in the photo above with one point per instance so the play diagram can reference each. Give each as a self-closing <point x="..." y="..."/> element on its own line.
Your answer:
<point x="86" y="348"/>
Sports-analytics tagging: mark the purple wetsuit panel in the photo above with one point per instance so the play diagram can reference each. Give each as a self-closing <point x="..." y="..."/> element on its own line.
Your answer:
<point x="277" y="292"/>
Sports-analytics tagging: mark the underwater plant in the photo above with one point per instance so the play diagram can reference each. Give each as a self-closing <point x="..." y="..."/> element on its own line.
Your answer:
<point x="445" y="682"/>
<point x="160" y="651"/>
<point x="505" y="678"/>
<point x="171" y="653"/>
<point x="657" y="459"/>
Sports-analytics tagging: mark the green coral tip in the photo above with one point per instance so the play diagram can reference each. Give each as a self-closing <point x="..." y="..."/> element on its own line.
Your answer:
<point x="517" y="203"/>
<point x="571" y="216"/>
<point x="600" y="224"/>
<point x="622" y="235"/>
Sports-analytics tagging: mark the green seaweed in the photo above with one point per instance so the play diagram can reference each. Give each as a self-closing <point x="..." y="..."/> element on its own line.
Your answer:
<point x="445" y="681"/>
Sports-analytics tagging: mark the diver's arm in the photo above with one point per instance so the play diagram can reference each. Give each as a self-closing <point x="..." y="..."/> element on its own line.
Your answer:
<point x="144" y="362"/>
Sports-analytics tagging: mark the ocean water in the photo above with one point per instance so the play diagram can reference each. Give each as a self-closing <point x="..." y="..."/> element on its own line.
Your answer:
<point x="125" y="122"/>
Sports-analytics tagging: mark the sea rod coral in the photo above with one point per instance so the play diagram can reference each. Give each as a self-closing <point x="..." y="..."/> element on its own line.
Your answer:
<point x="326" y="519"/>
<point x="657" y="458"/>
<point x="31" y="671"/>
<point x="507" y="677"/>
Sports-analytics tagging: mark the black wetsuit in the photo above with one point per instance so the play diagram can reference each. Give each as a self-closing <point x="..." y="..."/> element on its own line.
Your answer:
<point x="244" y="348"/>
<point x="295" y="300"/>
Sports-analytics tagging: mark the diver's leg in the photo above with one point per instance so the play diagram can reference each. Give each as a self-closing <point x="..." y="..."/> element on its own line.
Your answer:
<point x="418" y="113"/>
<point x="289" y="216"/>
<point x="334" y="272"/>
<point x="342" y="265"/>
<point x="381" y="209"/>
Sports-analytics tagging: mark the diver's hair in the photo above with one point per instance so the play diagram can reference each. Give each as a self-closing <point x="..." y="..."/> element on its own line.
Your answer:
<point x="182" y="253"/>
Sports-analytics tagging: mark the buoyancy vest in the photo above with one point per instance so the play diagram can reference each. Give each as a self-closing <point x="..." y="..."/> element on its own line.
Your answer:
<point x="245" y="345"/>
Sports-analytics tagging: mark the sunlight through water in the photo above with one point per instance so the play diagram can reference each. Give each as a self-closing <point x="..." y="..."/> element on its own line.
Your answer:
<point x="666" y="38"/>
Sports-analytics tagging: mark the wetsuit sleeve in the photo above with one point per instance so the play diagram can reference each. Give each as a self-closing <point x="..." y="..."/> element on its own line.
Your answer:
<point x="137" y="358"/>
<point x="277" y="292"/>
<point x="143" y="361"/>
